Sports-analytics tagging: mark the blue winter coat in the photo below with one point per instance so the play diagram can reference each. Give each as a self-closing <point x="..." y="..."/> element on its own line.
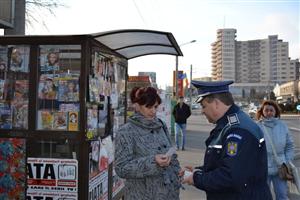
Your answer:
<point x="235" y="163"/>
<point x="282" y="141"/>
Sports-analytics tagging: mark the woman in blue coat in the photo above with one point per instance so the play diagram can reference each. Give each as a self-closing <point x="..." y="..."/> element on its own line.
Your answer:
<point x="277" y="132"/>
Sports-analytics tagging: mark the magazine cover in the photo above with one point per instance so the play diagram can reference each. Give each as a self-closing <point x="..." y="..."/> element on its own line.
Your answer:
<point x="94" y="92"/>
<point x="69" y="107"/>
<point x="49" y="60"/>
<point x="3" y="58"/>
<point x="45" y="120"/>
<point x="94" y="159"/>
<point x="73" y="121"/>
<point x="59" y="120"/>
<point x="5" y="116"/>
<point x="48" y="86"/>
<point x="19" y="58"/>
<point x="2" y="85"/>
<point x="21" y="89"/>
<point x="92" y="121"/>
<point x="12" y="170"/>
<point x="19" y="114"/>
<point x="99" y="65"/>
<point x="107" y="88"/>
<point x="68" y="89"/>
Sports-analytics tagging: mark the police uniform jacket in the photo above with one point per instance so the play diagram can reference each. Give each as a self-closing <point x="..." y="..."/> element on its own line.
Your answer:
<point x="136" y="144"/>
<point x="235" y="163"/>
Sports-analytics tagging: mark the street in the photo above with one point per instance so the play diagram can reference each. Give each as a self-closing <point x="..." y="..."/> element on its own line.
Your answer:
<point x="198" y="130"/>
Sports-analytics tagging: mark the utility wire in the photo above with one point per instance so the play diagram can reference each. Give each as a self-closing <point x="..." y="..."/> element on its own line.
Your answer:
<point x="139" y="12"/>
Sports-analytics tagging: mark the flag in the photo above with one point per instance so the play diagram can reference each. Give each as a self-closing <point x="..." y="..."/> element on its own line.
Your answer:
<point x="181" y="76"/>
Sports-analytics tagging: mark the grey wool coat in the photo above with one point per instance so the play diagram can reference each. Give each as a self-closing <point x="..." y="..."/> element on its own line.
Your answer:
<point x="136" y="144"/>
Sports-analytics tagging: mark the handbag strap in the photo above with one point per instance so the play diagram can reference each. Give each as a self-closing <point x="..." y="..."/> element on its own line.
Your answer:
<point x="272" y="145"/>
<point x="165" y="130"/>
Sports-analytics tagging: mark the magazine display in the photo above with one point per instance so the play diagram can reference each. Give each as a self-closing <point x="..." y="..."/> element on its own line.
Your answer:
<point x="19" y="59"/>
<point x="68" y="89"/>
<point x="3" y="58"/>
<point x="73" y="121"/>
<point x="49" y="61"/>
<point x="58" y="93"/>
<point x="60" y="120"/>
<point x="48" y="86"/>
<point x="20" y="114"/>
<point x="5" y="116"/>
<point x="2" y="84"/>
<point x="14" y="86"/>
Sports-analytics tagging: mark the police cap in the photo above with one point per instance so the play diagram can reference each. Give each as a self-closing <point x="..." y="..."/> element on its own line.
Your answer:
<point x="206" y="88"/>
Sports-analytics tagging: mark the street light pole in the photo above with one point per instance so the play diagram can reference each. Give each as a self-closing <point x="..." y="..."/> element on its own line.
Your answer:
<point x="176" y="78"/>
<point x="176" y="69"/>
<point x="190" y="86"/>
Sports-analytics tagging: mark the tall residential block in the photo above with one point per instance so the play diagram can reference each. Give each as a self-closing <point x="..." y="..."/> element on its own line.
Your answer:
<point x="263" y="61"/>
<point x="223" y="55"/>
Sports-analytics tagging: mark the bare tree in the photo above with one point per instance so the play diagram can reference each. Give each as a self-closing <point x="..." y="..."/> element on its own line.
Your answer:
<point x="28" y="12"/>
<point x="37" y="9"/>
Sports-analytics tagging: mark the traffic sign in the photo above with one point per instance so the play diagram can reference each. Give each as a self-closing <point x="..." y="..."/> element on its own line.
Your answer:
<point x="298" y="107"/>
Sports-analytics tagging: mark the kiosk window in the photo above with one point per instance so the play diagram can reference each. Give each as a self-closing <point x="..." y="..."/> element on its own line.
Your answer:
<point x="58" y="87"/>
<point x="14" y="76"/>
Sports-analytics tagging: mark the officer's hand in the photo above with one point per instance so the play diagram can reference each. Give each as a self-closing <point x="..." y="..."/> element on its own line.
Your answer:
<point x="188" y="179"/>
<point x="189" y="168"/>
<point x="162" y="160"/>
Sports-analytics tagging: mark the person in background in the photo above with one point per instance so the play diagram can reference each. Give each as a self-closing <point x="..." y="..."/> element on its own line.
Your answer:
<point x="277" y="133"/>
<point x="181" y="113"/>
<point x="140" y="152"/>
<point x="235" y="162"/>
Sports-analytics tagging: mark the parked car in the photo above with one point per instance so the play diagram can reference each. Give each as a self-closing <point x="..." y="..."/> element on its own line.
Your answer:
<point x="195" y="106"/>
<point x="252" y="112"/>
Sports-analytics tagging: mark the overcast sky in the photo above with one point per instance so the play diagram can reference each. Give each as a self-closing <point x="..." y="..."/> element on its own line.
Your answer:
<point x="186" y="19"/>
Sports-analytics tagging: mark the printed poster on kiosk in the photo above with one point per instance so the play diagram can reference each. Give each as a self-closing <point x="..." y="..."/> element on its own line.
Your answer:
<point x="12" y="168"/>
<point x="52" y="178"/>
<point x="98" y="175"/>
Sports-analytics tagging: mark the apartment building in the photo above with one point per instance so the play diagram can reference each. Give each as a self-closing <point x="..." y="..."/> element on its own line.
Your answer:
<point x="223" y="55"/>
<point x="264" y="61"/>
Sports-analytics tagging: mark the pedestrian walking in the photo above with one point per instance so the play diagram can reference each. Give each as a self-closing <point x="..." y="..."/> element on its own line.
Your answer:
<point x="142" y="155"/>
<point x="280" y="145"/>
<point x="235" y="162"/>
<point x="181" y="113"/>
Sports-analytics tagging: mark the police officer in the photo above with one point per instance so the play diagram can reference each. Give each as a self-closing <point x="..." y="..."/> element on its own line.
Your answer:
<point x="235" y="162"/>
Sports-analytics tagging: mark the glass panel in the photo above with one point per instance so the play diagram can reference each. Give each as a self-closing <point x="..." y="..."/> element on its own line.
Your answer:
<point x="118" y="97"/>
<point x="52" y="169"/>
<point x="58" y="88"/>
<point x="14" y="76"/>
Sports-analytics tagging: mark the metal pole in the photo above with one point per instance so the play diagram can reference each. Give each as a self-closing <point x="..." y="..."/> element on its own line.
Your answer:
<point x="176" y="78"/>
<point x="190" y="88"/>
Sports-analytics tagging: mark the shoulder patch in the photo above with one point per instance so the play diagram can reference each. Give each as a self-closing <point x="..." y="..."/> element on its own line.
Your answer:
<point x="232" y="148"/>
<point x="233" y="119"/>
<point x="234" y="136"/>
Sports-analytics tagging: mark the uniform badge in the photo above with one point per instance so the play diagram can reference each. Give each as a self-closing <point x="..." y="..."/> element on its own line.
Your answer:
<point x="232" y="148"/>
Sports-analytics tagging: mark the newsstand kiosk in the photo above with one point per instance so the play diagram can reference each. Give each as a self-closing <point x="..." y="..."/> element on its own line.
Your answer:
<point x="62" y="98"/>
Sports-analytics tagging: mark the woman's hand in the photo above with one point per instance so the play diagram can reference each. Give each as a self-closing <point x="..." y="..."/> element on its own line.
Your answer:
<point x="162" y="160"/>
<point x="181" y="173"/>
<point x="189" y="168"/>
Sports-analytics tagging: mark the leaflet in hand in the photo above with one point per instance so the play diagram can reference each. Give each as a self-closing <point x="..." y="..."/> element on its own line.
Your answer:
<point x="187" y="174"/>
